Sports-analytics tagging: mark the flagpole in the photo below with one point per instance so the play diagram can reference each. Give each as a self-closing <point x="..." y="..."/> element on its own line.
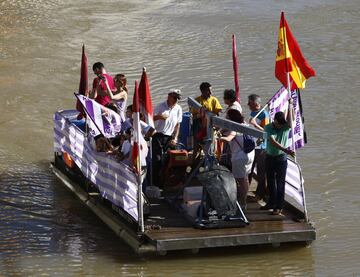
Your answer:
<point x="137" y="143"/>
<point x="290" y="110"/>
<point x="235" y="68"/>
<point x="288" y="85"/>
<point x="140" y="198"/>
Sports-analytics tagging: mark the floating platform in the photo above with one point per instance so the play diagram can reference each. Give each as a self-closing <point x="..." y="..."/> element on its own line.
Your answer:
<point x="166" y="229"/>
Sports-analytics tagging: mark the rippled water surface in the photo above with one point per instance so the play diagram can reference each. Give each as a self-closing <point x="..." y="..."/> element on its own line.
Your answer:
<point x="44" y="230"/>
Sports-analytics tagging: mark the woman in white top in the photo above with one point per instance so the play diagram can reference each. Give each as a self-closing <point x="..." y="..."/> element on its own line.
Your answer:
<point x="232" y="104"/>
<point x="119" y="97"/>
<point x="241" y="161"/>
<point x="230" y="100"/>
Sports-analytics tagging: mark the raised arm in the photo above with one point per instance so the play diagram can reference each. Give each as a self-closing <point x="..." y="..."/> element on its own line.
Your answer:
<point x="118" y="96"/>
<point x="290" y="113"/>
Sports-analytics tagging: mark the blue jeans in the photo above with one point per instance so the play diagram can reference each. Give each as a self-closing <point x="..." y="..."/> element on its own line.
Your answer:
<point x="275" y="173"/>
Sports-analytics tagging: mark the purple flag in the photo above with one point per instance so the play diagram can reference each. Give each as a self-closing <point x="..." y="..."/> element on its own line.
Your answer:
<point x="102" y="120"/>
<point x="279" y="102"/>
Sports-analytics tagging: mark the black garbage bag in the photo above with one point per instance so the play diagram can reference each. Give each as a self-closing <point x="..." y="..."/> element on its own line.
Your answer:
<point x="220" y="191"/>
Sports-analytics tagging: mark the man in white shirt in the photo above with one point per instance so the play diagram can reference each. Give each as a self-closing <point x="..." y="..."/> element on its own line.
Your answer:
<point x="168" y="116"/>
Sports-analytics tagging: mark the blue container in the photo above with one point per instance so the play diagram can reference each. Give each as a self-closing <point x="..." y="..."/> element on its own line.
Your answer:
<point x="80" y="123"/>
<point x="185" y="136"/>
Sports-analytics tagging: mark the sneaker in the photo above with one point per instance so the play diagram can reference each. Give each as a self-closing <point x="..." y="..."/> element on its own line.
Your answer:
<point x="257" y="198"/>
<point x="267" y="207"/>
<point x="277" y="212"/>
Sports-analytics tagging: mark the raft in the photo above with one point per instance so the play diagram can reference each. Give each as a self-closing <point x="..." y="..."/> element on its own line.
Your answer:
<point x="109" y="188"/>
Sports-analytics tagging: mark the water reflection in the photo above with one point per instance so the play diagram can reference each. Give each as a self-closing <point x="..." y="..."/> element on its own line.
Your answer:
<point x="40" y="219"/>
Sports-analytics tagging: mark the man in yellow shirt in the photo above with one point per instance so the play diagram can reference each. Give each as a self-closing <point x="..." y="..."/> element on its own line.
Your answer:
<point x="209" y="103"/>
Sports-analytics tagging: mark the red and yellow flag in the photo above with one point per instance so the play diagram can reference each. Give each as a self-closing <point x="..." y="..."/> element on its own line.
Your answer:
<point x="290" y="59"/>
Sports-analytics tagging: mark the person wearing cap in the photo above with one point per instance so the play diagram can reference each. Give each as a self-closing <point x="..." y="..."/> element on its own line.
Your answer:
<point x="167" y="117"/>
<point x="276" y="159"/>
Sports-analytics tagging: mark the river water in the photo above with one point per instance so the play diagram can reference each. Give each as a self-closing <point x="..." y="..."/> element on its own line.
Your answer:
<point x="45" y="230"/>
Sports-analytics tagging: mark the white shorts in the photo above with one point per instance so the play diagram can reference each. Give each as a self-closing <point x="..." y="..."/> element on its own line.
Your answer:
<point x="242" y="167"/>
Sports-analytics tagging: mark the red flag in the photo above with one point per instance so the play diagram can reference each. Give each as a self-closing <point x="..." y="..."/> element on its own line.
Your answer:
<point x="236" y="69"/>
<point x="290" y="59"/>
<point x="84" y="85"/>
<point x="146" y="107"/>
<point x="135" y="157"/>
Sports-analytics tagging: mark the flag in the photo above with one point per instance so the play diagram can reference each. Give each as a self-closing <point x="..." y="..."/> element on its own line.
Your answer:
<point x="146" y="107"/>
<point x="100" y="119"/>
<point x="236" y="69"/>
<point x="290" y="59"/>
<point x="294" y="183"/>
<point x="135" y="156"/>
<point x="84" y="85"/>
<point x="280" y="102"/>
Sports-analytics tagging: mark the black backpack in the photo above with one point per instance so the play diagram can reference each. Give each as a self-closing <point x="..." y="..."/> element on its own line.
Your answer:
<point x="249" y="143"/>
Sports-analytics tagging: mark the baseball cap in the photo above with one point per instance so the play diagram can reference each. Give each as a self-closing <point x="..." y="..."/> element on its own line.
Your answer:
<point x="176" y="91"/>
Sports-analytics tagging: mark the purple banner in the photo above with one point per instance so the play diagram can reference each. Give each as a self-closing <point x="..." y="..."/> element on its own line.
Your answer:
<point x="102" y="120"/>
<point x="279" y="102"/>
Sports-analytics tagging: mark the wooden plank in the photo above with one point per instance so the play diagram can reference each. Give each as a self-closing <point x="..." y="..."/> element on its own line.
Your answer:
<point x="256" y="233"/>
<point x="228" y="124"/>
<point x="231" y="125"/>
<point x="253" y="228"/>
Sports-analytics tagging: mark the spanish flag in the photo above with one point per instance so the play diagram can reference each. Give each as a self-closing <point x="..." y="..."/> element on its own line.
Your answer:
<point x="290" y="59"/>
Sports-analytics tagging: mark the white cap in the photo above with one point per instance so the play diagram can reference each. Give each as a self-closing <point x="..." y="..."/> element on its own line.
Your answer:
<point x="176" y="91"/>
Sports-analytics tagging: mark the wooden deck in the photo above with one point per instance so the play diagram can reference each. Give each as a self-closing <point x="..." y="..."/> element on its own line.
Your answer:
<point x="167" y="229"/>
<point x="177" y="233"/>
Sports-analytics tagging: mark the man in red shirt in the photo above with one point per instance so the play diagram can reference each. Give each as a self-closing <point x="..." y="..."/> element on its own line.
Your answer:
<point x="99" y="87"/>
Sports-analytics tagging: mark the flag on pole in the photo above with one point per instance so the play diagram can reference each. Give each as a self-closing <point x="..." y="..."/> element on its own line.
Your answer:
<point x="100" y="119"/>
<point x="236" y="68"/>
<point x="84" y="85"/>
<point x="137" y="131"/>
<point x="280" y="102"/>
<point x="139" y="152"/>
<point x="146" y="107"/>
<point x="290" y="59"/>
